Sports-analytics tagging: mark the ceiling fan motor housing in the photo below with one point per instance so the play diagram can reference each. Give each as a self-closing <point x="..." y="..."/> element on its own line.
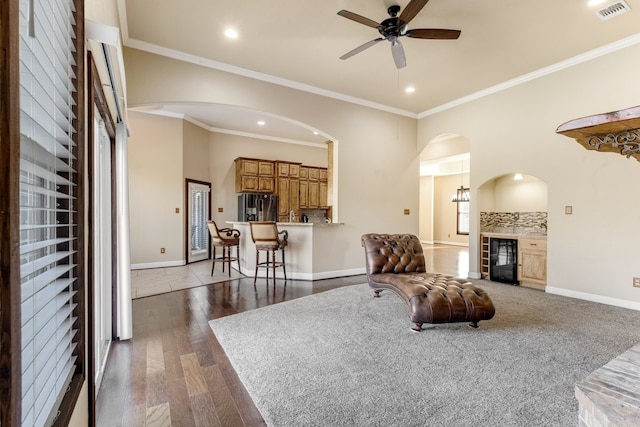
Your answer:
<point x="391" y="27"/>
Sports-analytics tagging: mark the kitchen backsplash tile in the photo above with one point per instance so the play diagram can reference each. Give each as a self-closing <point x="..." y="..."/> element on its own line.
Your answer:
<point x="513" y="222"/>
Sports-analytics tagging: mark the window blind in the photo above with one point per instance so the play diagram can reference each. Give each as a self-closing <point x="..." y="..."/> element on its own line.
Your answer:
<point x="48" y="229"/>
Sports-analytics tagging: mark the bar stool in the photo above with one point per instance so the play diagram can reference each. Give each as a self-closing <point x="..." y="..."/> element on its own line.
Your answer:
<point x="266" y="237"/>
<point x="226" y="238"/>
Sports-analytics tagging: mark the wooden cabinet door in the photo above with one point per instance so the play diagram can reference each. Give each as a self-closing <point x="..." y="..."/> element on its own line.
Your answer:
<point x="265" y="184"/>
<point x="314" y="194"/>
<point x="532" y="262"/>
<point x="248" y="183"/>
<point x="314" y="174"/>
<point x="294" y="195"/>
<point x="323" y="194"/>
<point x="265" y="168"/>
<point x="283" y="196"/>
<point x="282" y="169"/>
<point x="304" y="192"/>
<point x="249" y="167"/>
<point x="533" y="266"/>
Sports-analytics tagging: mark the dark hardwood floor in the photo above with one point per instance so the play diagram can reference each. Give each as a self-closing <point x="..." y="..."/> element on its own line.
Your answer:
<point x="173" y="371"/>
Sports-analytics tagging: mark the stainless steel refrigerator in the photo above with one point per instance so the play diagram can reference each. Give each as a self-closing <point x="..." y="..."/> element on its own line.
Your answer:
<point x="257" y="207"/>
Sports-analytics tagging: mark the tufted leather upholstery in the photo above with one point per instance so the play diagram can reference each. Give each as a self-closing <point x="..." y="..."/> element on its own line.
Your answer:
<point x="393" y="253"/>
<point x="396" y="262"/>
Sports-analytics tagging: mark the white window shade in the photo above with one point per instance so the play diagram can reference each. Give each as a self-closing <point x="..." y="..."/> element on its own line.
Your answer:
<point x="48" y="229"/>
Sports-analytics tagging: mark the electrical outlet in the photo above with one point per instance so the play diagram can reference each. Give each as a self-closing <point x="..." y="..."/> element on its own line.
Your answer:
<point x="407" y="211"/>
<point x="161" y="250"/>
<point x="636" y="282"/>
<point x="220" y="210"/>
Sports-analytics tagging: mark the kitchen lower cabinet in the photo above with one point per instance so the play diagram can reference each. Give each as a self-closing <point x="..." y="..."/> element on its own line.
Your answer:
<point x="532" y="262"/>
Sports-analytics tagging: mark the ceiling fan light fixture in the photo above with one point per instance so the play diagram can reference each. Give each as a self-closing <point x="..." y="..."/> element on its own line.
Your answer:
<point x="410" y="89"/>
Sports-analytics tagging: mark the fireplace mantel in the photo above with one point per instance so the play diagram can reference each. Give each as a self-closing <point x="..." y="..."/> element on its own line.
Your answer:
<point x="617" y="132"/>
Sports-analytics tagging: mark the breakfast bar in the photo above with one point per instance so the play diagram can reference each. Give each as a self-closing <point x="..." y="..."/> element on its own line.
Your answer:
<point x="307" y="254"/>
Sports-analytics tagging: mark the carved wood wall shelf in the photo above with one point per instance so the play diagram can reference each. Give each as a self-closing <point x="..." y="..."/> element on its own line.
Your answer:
<point x="617" y="132"/>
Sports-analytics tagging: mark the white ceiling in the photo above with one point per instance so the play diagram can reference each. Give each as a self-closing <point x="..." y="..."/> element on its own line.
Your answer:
<point x="299" y="42"/>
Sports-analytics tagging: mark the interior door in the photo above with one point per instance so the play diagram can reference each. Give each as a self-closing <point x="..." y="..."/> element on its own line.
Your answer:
<point x="199" y="194"/>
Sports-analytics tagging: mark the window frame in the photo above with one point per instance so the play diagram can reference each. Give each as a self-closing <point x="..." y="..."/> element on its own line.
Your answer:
<point x="10" y="307"/>
<point x="462" y="196"/>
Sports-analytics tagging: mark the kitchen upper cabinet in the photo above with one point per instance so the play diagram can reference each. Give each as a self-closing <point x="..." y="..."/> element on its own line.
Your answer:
<point x="304" y="186"/>
<point x="295" y="185"/>
<point x="313" y="199"/>
<point x="288" y="189"/>
<point x="254" y="176"/>
<point x="313" y="189"/>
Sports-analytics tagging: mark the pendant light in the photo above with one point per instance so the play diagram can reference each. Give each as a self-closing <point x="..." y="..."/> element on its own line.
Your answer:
<point x="461" y="195"/>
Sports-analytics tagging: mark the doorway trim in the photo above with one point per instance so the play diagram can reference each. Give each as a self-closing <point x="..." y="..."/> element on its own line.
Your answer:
<point x="187" y="216"/>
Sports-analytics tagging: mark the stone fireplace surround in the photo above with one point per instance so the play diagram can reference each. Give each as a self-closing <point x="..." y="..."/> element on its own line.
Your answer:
<point x="610" y="396"/>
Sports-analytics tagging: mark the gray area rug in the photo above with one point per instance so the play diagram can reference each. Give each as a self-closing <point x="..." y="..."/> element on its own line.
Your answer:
<point x="344" y="358"/>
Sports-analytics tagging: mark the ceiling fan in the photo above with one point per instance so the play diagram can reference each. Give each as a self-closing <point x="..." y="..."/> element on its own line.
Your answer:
<point x="395" y="27"/>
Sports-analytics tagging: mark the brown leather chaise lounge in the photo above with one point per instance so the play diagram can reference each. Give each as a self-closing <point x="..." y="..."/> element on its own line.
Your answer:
<point x="396" y="262"/>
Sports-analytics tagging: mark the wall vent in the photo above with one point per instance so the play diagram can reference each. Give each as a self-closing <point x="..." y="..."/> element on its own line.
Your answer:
<point x="614" y="9"/>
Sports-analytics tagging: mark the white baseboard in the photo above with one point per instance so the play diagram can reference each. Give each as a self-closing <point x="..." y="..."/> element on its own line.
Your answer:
<point x="594" y="298"/>
<point x="143" y="266"/>
<point x="308" y="276"/>
<point x="442" y="242"/>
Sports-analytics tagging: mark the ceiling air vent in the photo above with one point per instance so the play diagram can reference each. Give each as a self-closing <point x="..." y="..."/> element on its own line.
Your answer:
<point x="614" y="9"/>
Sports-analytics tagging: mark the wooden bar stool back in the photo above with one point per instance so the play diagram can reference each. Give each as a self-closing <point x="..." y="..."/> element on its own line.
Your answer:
<point x="226" y="238"/>
<point x="266" y="237"/>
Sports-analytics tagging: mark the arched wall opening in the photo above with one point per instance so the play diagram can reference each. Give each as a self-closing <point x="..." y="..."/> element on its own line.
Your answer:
<point x="444" y="167"/>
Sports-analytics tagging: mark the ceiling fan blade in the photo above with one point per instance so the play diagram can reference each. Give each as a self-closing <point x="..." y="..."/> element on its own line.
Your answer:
<point x="398" y="54"/>
<point x="361" y="48"/>
<point x="411" y="10"/>
<point x="433" y="33"/>
<point x="358" y="18"/>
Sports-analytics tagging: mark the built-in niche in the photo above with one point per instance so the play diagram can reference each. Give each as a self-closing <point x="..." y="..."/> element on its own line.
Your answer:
<point x="513" y="204"/>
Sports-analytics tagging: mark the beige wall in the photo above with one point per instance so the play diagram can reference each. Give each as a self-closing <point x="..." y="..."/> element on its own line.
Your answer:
<point x="445" y="211"/>
<point x="378" y="162"/>
<point x="426" y="208"/>
<point x="156" y="187"/>
<point x="592" y="253"/>
<point x="527" y="195"/>
<point x="196" y="152"/>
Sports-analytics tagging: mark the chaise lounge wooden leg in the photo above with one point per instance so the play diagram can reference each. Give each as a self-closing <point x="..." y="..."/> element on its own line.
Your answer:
<point x="474" y="325"/>
<point x="376" y="294"/>
<point x="417" y="327"/>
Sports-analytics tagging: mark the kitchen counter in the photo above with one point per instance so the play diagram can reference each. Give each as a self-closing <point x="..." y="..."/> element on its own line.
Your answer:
<point x="306" y="255"/>
<point x="514" y="235"/>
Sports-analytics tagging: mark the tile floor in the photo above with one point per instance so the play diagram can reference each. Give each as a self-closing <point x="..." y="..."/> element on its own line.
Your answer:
<point x="154" y="281"/>
<point x="442" y="258"/>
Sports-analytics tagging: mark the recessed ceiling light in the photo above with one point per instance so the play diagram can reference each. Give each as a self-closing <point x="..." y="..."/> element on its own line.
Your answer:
<point x="261" y="123"/>
<point x="231" y="33"/>
<point x="315" y="132"/>
<point x="410" y="89"/>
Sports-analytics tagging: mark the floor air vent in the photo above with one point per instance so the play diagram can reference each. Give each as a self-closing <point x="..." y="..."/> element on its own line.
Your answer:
<point x="614" y="9"/>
